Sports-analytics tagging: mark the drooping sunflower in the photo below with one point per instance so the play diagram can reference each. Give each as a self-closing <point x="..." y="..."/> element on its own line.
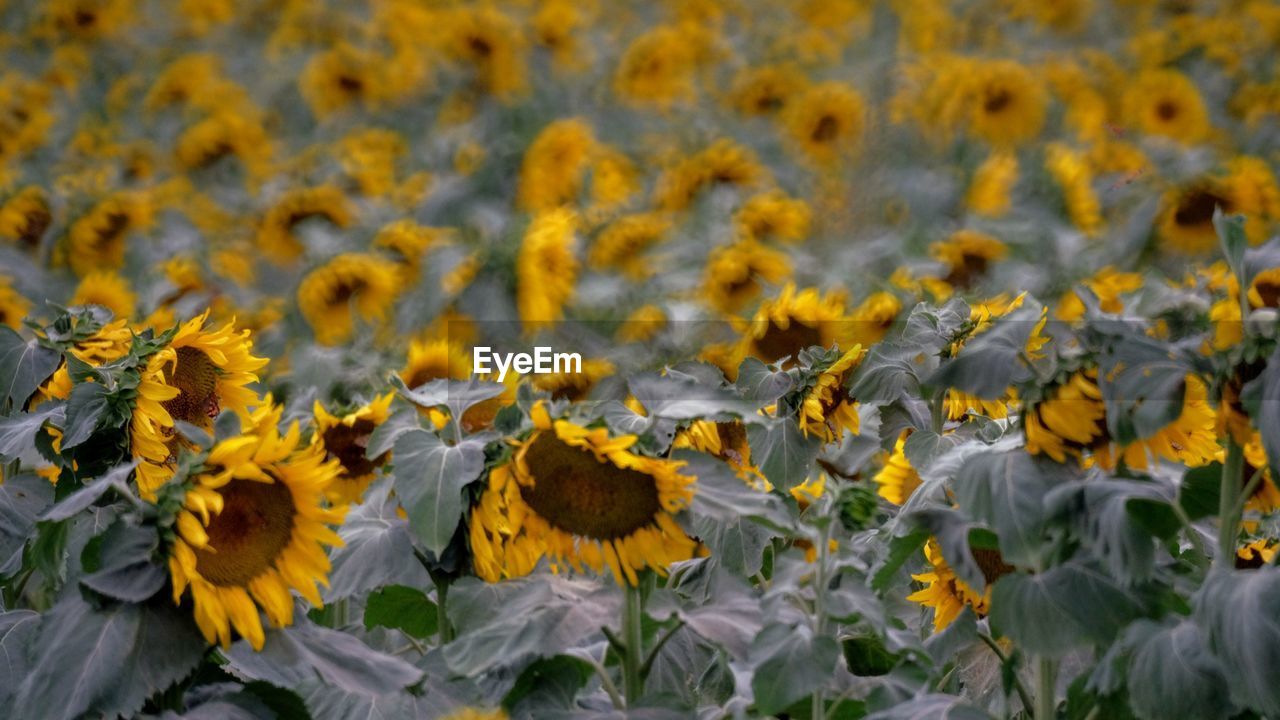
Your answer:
<point x="546" y="269"/>
<point x="622" y="244"/>
<point x="968" y="254"/>
<point x="948" y="594"/>
<point x="25" y="216"/>
<point x="1007" y="102"/>
<point x="345" y="438"/>
<point x="774" y="216"/>
<point x="108" y="289"/>
<point x="897" y="478"/>
<point x="200" y="373"/>
<point x="580" y="498"/>
<point x="13" y="306"/>
<point x="793" y="321"/>
<point x="1166" y="103"/>
<point x="434" y="360"/>
<point x="736" y="274"/>
<point x="826" y="121"/>
<point x="827" y="410"/>
<point x="96" y="240"/>
<point x="326" y="295"/>
<point x="726" y="440"/>
<point x="554" y="165"/>
<point x="1069" y="420"/>
<point x="276" y="233"/>
<point x="252" y="528"/>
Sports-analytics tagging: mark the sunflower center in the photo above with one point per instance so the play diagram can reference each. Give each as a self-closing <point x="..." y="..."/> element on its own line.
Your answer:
<point x="1197" y="208"/>
<point x="350" y="84"/>
<point x="347" y="290"/>
<point x="479" y="46"/>
<point x="969" y="268"/>
<point x="1166" y="110"/>
<point x="997" y="100"/>
<point x="246" y="538"/>
<point x="733" y="441"/>
<point x="826" y="130"/>
<point x="992" y="565"/>
<point x="196" y="377"/>
<point x="116" y="225"/>
<point x="768" y="103"/>
<point x="779" y="342"/>
<point x="348" y="443"/>
<point x="34" y="225"/>
<point x="581" y="496"/>
<point x="1270" y="293"/>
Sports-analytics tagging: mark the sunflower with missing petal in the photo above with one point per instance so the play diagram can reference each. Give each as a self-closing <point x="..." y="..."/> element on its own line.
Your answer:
<point x="735" y="274"/>
<point x="25" y="216"/>
<point x="200" y="373"/>
<point x="1166" y="103"/>
<point x="546" y="269"/>
<point x="827" y="410"/>
<point x="580" y="498"/>
<point x="345" y="438"/>
<point x="897" y="479"/>
<point x="108" y="289"/>
<point x="276" y="235"/>
<point x="795" y="320"/>
<point x="253" y="527"/>
<point x="967" y="254"/>
<point x="554" y="165"/>
<point x="948" y="594"/>
<point x="97" y="239"/>
<point x="350" y="285"/>
<point x="826" y="121"/>
<point x="13" y="306"/>
<point x="1190" y="439"/>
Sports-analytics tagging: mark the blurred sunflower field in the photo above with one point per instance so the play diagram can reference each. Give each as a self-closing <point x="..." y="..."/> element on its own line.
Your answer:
<point x="928" y="359"/>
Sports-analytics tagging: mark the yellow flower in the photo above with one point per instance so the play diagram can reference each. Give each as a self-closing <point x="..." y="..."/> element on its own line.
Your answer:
<point x="276" y="233"/>
<point x="552" y="171"/>
<point x="108" y="289"/>
<point x="622" y="244"/>
<point x="13" y="306"/>
<point x="434" y="360"/>
<point x="546" y="269"/>
<point x="793" y="321"/>
<point x="735" y="274"/>
<point x="1069" y="420"/>
<point x="1190" y="439"/>
<point x="642" y="324"/>
<point x="1186" y="215"/>
<point x="196" y="376"/>
<point x="948" y="594"/>
<point x="1256" y="553"/>
<point x="827" y="410"/>
<point x="967" y="255"/>
<point x="1166" y="103"/>
<point x="656" y="70"/>
<point x="344" y="439"/>
<point x="342" y="77"/>
<point x="408" y="242"/>
<point x="1072" y="174"/>
<point x="25" y="216"/>
<point x="727" y="441"/>
<point x="896" y="478"/>
<point x="724" y="162"/>
<point x="580" y="498"/>
<point x="873" y="318"/>
<point x="989" y="191"/>
<point x="252" y="528"/>
<point x="491" y="43"/>
<point x="110" y="342"/>
<point x="767" y="89"/>
<point x="1108" y="284"/>
<point x="826" y="121"/>
<point x="370" y="158"/>
<point x="222" y="134"/>
<point x="1007" y="102"/>
<point x="574" y="386"/>
<point x="327" y="293"/>
<point x="774" y="215"/>
<point x="96" y="240"/>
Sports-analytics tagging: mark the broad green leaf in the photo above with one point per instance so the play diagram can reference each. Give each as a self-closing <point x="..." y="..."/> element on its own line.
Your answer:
<point x="1066" y="607"/>
<point x="457" y="395"/>
<point x="1102" y="513"/>
<point x="990" y="362"/>
<point x="384" y="437"/>
<point x="761" y="385"/>
<point x="18" y="432"/>
<point x="790" y="663"/>
<point x="731" y="617"/>
<point x="402" y="608"/>
<point x="24" y="366"/>
<point x="297" y="653"/>
<point x="901" y="549"/>
<point x="376" y="543"/>
<point x="1006" y="491"/>
<point x="322" y="700"/>
<point x="22" y="499"/>
<point x="1198" y="493"/>
<point x="18" y="633"/>
<point x="129" y="570"/>
<point x="721" y="495"/>
<point x="934" y="707"/>
<point x="549" y="684"/>
<point x="925" y="446"/>
<point x="782" y="452"/>
<point x="1232" y="240"/>
<point x="1239" y="610"/>
<point x="117" y="478"/>
<point x="429" y="477"/>
<point x="865" y="655"/>
<point x="684" y="399"/>
<point x="1173" y="675"/>
<point x="85" y="407"/>
<point x="622" y="420"/>
<point x="889" y="371"/>
<point x="1143" y="384"/>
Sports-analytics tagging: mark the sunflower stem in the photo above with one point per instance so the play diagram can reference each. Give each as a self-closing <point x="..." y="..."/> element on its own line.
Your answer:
<point x="632" y="634"/>
<point x="653" y="651"/>
<point x="937" y="414"/>
<point x="1229" y="492"/>
<point x="1018" y="685"/>
<point x="442" y="617"/>
<point x="1046" y="688"/>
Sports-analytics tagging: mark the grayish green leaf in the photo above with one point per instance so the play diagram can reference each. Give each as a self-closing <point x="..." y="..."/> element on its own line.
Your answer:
<point x="790" y="663"/>
<point x="1063" y="608"/>
<point x="18" y="431"/>
<point x="24" y="366"/>
<point x="22" y="499"/>
<point x="1239" y="610"/>
<point x="782" y="452"/>
<point x="429" y="477"/>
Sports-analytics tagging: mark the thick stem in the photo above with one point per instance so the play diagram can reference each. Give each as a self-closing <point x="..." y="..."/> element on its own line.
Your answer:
<point x="1046" y="688"/>
<point x="937" y="411"/>
<point x="1228" y="496"/>
<point x="442" y="617"/>
<point x="633" y="641"/>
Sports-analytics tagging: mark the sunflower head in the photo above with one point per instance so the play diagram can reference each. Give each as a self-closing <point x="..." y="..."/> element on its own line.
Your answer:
<point x="1008" y="103"/>
<point x="547" y="268"/>
<point x="1186" y="218"/>
<point x="13" y="306"/>
<point x="1167" y="103"/>
<point x="827" y="410"/>
<point x="554" y="165"/>
<point x="350" y="285"/>
<point x="727" y="441"/>
<point x="735" y="274"/>
<point x="580" y="497"/>
<point x="826" y="121"/>
<point x="345" y="439"/>
<point x="108" y="289"/>
<point x="252" y="528"/>
<point x="948" y="594"/>
<point x="26" y="216"/>
<point x="796" y="320"/>
<point x="897" y="479"/>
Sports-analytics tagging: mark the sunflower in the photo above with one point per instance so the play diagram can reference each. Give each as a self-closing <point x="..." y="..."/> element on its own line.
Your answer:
<point x="948" y="594"/>
<point x="276" y="233"/>
<point x="1069" y="420"/>
<point x="546" y="269"/>
<point x="252" y="527"/>
<point x="1108" y="284"/>
<point x="25" y="216"/>
<point x="1254" y="193"/>
<point x="1074" y="178"/>
<point x="727" y="441"/>
<point x="968" y="255"/>
<point x="1256" y="553"/>
<point x="656" y="70"/>
<point x="827" y="410"/>
<point x="434" y="360"/>
<point x="574" y="386"/>
<point x="96" y="240"/>
<point x="1186" y="215"/>
<point x="109" y="342"/>
<point x="344" y="439"/>
<point x="408" y="241"/>
<point x="1166" y="103"/>
<point x="326" y="295"/>
<point x="492" y="43"/>
<point x="774" y="215"/>
<point x="554" y="165"/>
<point x="766" y="90"/>
<point x="580" y="497"/>
<point x="990" y="190"/>
<point x="108" y="289"/>
<point x="470" y="713"/>
<point x="13" y="306"/>
<point x="622" y="244"/>
<point x="642" y="324"/>
<point x="826" y="121"/>
<point x="195" y="377"/>
<point x="897" y="479"/>
<point x="369" y="157"/>
<point x="227" y="133"/>
<point x="793" y="321"/>
<point x="735" y="274"/>
<point x="341" y="77"/>
<point x="1007" y="102"/>
<point x="1266" y="497"/>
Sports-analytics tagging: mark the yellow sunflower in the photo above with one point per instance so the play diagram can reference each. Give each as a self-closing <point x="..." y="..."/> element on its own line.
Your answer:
<point x="990" y="190"/>
<point x="227" y="133"/>
<point x="25" y="216"/>
<point x="1186" y="216"/>
<point x="1166" y="103"/>
<point x="96" y="240"/>
<point x="968" y="254"/>
<point x="735" y="274"/>
<point x="546" y="269"/>
<point x="253" y="527"/>
<point x="200" y="373"/>
<point x="948" y="594"/>
<point x="1266" y="497"/>
<point x="581" y="498"/>
<point x="826" y="121"/>
<point x="491" y="43"/>
<point x="326" y="295"/>
<point x="342" y="77"/>
<point x="727" y="441"/>
<point x="1256" y="553"/>
<point x="344" y="439"/>
<point x="108" y="289"/>
<point x="1108" y="284"/>
<point x="276" y="232"/>
<point x="827" y="410"/>
<point x="574" y="386"/>
<point x="1070" y="420"/>
<point x="13" y="306"/>
<point x="110" y="342"/>
<point x="774" y="216"/>
<point x="434" y="360"/>
<point x="408" y="241"/>
<point x="767" y="89"/>
<point x="1074" y="178"/>
<point x="554" y="165"/>
<point x="793" y="321"/>
<point x="896" y="478"/>
<point x="1007" y="102"/>
<point x="656" y="70"/>
<point x="622" y="244"/>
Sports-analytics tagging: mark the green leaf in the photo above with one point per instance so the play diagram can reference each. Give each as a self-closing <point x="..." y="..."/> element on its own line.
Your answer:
<point x="990" y="362"/>
<point x="117" y="478"/>
<point x="18" y="432"/>
<point x="934" y="707"/>
<point x="1173" y="675"/>
<point x="682" y="398"/>
<point x="384" y="437"/>
<point x="86" y="406"/>
<point x="1115" y="519"/>
<point x="129" y="570"/>
<point x="457" y="395"/>
<point x="402" y="608"/>
<point x="560" y="676"/>
<point x="1063" y="608"/>
<point x="24" y="366"/>
<point x="956" y="537"/>
<point x="1143" y="384"/>
<point x="1267" y="419"/>
<point x="901" y="549"/>
<point x="429" y="477"/>
<point x="1198" y="493"/>
<point x="889" y="371"/>
<point x="761" y="385"/>
<point x="22" y="499"/>
<point x="782" y="452"/>
<point x="790" y="663"/>
<point x="866" y="655"/>
<point x="925" y="446"/>
<point x="375" y="544"/>
<point x="1232" y="240"/>
<point x="1238" y="609"/>
<point x="18" y="633"/>
<point x="721" y="495"/>
<point x="1006" y="491"/>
